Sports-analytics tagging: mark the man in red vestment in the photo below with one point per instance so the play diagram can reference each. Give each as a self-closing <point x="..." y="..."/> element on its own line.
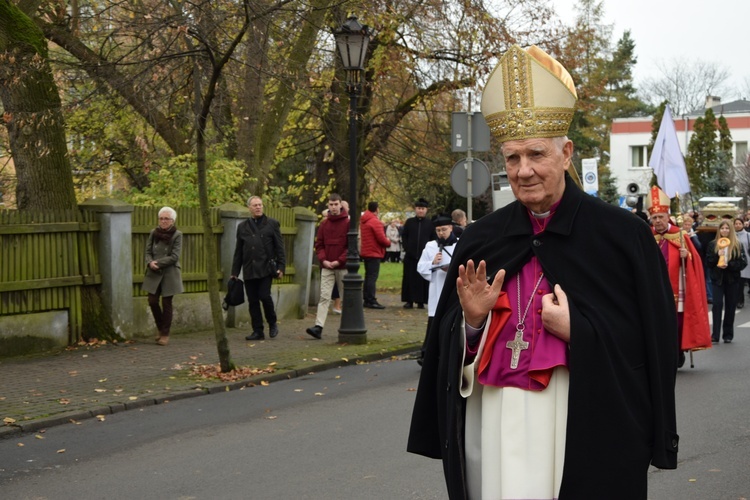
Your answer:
<point x="685" y="275"/>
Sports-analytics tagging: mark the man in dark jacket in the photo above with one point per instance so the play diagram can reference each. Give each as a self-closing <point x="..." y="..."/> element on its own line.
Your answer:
<point x="330" y="247"/>
<point x="260" y="255"/>
<point x="418" y="230"/>
<point x="550" y="368"/>
<point x="374" y="243"/>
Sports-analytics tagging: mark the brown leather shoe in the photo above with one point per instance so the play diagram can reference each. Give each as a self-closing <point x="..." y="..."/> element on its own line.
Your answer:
<point x="163" y="340"/>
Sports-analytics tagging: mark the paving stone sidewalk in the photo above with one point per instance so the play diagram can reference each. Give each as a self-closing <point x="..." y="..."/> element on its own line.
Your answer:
<point x="87" y="381"/>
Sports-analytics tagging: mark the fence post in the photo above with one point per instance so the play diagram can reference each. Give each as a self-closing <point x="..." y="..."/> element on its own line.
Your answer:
<point x="232" y="214"/>
<point x="305" y="221"/>
<point x="115" y="260"/>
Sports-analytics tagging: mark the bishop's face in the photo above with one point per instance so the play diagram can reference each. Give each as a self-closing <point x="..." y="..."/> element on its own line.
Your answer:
<point x="536" y="170"/>
<point x="660" y="222"/>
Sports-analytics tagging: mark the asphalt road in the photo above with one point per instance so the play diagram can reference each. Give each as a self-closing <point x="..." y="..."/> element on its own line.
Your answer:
<point x="337" y="434"/>
<point x="341" y="434"/>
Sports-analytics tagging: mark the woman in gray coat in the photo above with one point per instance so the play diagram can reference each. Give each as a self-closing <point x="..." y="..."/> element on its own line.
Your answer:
<point x="163" y="274"/>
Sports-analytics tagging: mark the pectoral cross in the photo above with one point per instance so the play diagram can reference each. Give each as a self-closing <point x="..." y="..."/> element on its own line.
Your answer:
<point x="516" y="345"/>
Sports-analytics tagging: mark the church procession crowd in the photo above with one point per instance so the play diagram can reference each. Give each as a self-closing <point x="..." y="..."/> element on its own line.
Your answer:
<point x="549" y="333"/>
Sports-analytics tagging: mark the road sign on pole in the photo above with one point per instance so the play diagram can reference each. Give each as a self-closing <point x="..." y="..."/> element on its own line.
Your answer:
<point x="480" y="177"/>
<point x="479" y="140"/>
<point x="590" y="175"/>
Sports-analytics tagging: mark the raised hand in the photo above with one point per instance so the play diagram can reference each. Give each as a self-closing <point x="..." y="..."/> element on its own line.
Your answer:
<point x="477" y="297"/>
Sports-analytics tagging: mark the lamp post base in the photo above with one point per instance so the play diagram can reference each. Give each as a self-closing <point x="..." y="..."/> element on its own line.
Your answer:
<point x="352" y="329"/>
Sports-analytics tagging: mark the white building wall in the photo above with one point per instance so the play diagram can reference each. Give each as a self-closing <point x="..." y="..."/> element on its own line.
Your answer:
<point x="621" y="147"/>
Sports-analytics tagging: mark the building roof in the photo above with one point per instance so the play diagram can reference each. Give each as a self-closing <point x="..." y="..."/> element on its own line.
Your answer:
<point x="726" y="108"/>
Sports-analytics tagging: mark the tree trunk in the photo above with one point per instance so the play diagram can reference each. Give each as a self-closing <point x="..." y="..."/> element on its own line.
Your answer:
<point x="33" y="115"/>
<point x="36" y="130"/>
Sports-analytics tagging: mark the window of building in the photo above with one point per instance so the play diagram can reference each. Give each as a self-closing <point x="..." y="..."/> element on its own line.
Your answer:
<point x="740" y="152"/>
<point x="638" y="156"/>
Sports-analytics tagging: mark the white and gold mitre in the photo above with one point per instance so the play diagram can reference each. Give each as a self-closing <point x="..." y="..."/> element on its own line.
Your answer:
<point x="528" y="95"/>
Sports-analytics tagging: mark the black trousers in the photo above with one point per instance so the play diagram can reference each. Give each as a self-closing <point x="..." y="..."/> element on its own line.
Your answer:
<point x="372" y="270"/>
<point x="725" y="297"/>
<point x="259" y="292"/>
<point x="163" y="314"/>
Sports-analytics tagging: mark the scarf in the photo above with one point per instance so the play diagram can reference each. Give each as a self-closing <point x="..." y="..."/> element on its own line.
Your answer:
<point x="446" y="242"/>
<point x="164" y="234"/>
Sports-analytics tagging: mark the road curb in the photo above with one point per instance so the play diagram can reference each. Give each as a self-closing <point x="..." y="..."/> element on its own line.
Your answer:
<point x="19" y="428"/>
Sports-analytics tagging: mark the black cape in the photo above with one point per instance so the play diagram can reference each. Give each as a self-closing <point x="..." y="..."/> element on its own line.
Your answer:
<point x="623" y="347"/>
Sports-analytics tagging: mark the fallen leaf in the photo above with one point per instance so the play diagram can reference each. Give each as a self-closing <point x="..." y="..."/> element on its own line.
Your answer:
<point x="102" y="380"/>
<point x="133" y="398"/>
<point x="271" y="417"/>
<point x="63" y="401"/>
<point x="8" y="420"/>
<point x="20" y="445"/>
<point x="410" y="389"/>
<point x="61" y="451"/>
<point x="264" y="382"/>
<point x="692" y="480"/>
<point x="2" y="398"/>
<point x="39" y="436"/>
<point x="346" y="359"/>
<point x="298" y="390"/>
<point x="317" y="359"/>
<point x="337" y="376"/>
<point x="73" y="373"/>
<point x="100" y="390"/>
<point x="118" y="390"/>
<point x="101" y="418"/>
<point x="319" y="394"/>
<point x="193" y="357"/>
<point x="226" y="389"/>
<point x="76" y="422"/>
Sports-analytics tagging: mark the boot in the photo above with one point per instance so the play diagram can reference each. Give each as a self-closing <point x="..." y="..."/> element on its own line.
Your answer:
<point x="163" y="340"/>
<point x="316" y="331"/>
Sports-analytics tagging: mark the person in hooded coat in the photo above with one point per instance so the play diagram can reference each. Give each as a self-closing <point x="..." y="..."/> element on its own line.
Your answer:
<point x="550" y="368"/>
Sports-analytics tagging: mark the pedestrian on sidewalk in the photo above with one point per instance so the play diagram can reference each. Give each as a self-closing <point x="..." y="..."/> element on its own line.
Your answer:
<point x="260" y="255"/>
<point x="393" y="253"/>
<point x="163" y="274"/>
<point x="374" y="243"/>
<point x="433" y="266"/>
<point x="418" y="230"/>
<point x="330" y="247"/>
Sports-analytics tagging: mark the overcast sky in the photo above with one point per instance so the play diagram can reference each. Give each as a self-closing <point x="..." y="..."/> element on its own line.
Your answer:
<point x="665" y="30"/>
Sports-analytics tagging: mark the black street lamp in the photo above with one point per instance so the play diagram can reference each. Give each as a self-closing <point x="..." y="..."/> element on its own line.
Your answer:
<point x="352" y="40"/>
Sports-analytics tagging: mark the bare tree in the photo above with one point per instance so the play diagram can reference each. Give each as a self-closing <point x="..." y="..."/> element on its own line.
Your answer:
<point x="685" y="84"/>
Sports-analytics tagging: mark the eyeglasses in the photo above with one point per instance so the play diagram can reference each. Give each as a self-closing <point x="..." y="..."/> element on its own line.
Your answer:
<point x="165" y="218"/>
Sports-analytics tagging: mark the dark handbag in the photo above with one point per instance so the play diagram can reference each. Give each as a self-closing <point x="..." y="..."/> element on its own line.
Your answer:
<point x="235" y="293"/>
<point x="273" y="267"/>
